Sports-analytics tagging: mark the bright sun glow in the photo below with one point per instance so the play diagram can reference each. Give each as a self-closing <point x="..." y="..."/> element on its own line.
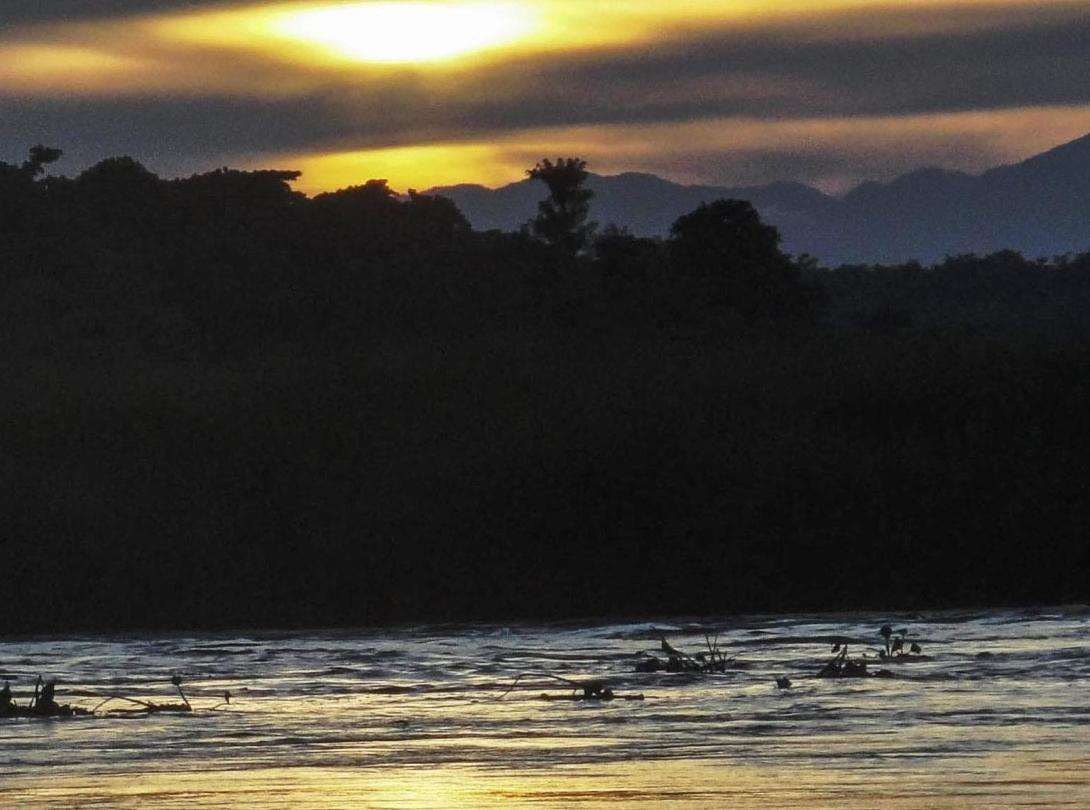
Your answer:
<point x="436" y="33"/>
<point x="406" y="32"/>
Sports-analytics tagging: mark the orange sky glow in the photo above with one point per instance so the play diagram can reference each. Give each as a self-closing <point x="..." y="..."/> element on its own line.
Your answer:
<point x="429" y="92"/>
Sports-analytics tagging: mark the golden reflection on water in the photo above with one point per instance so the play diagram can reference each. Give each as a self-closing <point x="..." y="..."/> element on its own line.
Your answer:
<point x="1006" y="780"/>
<point x="407" y="719"/>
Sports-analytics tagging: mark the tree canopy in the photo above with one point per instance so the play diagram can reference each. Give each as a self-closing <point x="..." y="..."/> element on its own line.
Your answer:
<point x="354" y="408"/>
<point x="561" y="220"/>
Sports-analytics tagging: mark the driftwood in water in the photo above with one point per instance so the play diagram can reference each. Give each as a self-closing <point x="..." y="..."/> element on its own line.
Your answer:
<point x="840" y="666"/>
<point x="143" y="706"/>
<point x="678" y="661"/>
<point x="37" y="712"/>
<point x="607" y="695"/>
<point x="581" y="690"/>
<point x="148" y="707"/>
<point x="44" y="704"/>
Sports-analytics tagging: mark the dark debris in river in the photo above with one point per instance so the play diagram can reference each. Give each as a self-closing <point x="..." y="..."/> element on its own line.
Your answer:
<point x="586" y="690"/>
<point x="893" y="650"/>
<point x="677" y="661"/>
<point x="43" y="704"/>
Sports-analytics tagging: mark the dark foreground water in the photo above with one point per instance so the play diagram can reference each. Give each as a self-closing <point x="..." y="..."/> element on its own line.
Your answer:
<point x="998" y="717"/>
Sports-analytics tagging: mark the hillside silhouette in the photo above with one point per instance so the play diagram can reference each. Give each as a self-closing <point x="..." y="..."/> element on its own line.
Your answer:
<point x="228" y="404"/>
<point x="1039" y="207"/>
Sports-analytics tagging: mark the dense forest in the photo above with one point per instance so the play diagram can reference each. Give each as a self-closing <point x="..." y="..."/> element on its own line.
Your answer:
<point x="227" y="404"/>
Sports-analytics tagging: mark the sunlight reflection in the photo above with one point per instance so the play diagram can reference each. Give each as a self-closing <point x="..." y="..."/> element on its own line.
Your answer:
<point x="677" y="784"/>
<point x="411" y="718"/>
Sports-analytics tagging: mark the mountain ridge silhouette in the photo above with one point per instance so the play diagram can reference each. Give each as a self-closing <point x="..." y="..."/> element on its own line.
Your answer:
<point x="1039" y="206"/>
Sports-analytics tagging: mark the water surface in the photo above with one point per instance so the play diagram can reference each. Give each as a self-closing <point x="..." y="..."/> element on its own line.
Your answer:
<point x="997" y="716"/>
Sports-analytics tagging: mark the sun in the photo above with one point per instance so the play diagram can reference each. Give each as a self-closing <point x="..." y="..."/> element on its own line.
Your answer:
<point x="405" y="32"/>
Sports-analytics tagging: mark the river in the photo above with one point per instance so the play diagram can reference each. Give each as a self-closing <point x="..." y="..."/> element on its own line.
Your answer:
<point x="994" y="714"/>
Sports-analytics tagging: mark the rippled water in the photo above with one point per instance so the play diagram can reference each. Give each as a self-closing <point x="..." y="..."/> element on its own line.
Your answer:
<point x="998" y="716"/>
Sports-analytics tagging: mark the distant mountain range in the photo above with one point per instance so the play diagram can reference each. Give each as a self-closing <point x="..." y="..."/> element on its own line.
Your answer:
<point x="1040" y="207"/>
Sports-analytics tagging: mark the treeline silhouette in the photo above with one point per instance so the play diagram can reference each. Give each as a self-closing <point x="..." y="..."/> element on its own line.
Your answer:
<point x="228" y="404"/>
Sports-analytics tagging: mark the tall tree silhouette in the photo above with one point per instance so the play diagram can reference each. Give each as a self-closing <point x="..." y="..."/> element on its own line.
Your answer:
<point x="726" y="241"/>
<point x="561" y="219"/>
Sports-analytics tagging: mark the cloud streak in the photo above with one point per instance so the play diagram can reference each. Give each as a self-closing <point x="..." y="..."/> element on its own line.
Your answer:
<point x="830" y="153"/>
<point x="188" y="85"/>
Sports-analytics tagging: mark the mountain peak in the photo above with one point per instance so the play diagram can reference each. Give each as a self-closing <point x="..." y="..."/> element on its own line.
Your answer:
<point x="1076" y="149"/>
<point x="1073" y="156"/>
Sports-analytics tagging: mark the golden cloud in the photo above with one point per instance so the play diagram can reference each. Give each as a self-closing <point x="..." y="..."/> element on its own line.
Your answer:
<point x="285" y="47"/>
<point x="967" y="141"/>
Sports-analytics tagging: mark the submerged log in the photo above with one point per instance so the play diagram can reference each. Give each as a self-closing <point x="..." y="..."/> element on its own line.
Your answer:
<point x="905" y="658"/>
<point x="860" y="672"/>
<point x="36" y="712"/>
<point x="145" y="707"/>
<point x="580" y="690"/>
<point x="605" y="696"/>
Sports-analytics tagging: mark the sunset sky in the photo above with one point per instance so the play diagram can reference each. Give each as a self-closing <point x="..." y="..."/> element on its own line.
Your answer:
<point x="428" y="92"/>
